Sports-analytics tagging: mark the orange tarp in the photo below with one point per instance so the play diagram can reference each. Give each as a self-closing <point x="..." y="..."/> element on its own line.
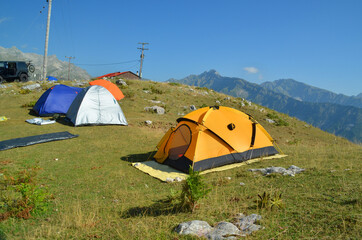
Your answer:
<point x="111" y="87"/>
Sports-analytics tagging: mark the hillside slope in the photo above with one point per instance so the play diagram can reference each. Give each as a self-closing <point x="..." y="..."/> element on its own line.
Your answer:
<point x="340" y="120"/>
<point x="97" y="194"/>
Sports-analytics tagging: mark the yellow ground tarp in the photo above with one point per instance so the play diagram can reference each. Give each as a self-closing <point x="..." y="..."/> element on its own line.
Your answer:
<point x="168" y="174"/>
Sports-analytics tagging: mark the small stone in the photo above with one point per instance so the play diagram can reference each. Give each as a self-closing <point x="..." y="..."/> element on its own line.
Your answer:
<point x="246" y="223"/>
<point x="159" y="110"/>
<point x="192" y="107"/>
<point x="156" y="109"/>
<point x="170" y="180"/>
<point x="121" y="82"/>
<point x="270" y="120"/>
<point x="32" y="86"/>
<point x="148" y="122"/>
<point x="291" y="171"/>
<point x="196" y="228"/>
<point x="242" y="184"/>
<point x="224" y="230"/>
<point x="155" y="101"/>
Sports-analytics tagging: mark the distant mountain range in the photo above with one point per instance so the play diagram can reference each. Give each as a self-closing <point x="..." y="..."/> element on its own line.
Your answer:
<point x="307" y="104"/>
<point x="304" y="92"/>
<point x="55" y="68"/>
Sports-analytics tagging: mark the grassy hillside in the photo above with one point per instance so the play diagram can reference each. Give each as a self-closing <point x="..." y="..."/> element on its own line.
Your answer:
<point x="97" y="194"/>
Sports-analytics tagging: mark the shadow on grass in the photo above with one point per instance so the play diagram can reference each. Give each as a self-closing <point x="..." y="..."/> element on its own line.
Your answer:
<point x="140" y="157"/>
<point x="64" y="120"/>
<point x="32" y="113"/>
<point x="350" y="202"/>
<point x="155" y="210"/>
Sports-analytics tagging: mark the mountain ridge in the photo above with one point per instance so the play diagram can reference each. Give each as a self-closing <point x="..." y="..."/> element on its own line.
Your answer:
<point x="55" y="67"/>
<point x="308" y="93"/>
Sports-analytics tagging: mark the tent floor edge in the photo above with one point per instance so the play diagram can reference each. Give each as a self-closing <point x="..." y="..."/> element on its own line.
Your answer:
<point x="183" y="163"/>
<point x="234" y="158"/>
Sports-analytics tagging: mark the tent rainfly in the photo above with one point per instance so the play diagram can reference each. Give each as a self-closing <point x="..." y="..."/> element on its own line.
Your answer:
<point x="211" y="137"/>
<point x="111" y="87"/>
<point x="95" y="105"/>
<point x="56" y="99"/>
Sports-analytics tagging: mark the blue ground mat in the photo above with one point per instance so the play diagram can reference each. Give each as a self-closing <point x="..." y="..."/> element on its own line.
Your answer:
<point x="27" y="141"/>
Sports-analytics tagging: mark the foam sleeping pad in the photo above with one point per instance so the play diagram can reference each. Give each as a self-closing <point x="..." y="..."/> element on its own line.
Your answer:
<point x="31" y="140"/>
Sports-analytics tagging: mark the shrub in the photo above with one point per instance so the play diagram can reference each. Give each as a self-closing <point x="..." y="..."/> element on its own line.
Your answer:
<point x="203" y="105"/>
<point x="202" y="88"/>
<point x="266" y="200"/>
<point x="24" y="91"/>
<point x="193" y="190"/>
<point x="29" y="104"/>
<point x="277" y="119"/>
<point x="156" y="90"/>
<point x="20" y="197"/>
<point x="129" y="93"/>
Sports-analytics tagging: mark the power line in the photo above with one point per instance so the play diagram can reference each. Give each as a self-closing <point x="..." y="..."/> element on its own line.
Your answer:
<point x="103" y="64"/>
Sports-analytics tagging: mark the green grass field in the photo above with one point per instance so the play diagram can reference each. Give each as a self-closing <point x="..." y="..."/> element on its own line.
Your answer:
<point x="97" y="194"/>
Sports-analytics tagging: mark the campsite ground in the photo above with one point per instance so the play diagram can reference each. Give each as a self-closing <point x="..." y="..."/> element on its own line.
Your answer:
<point x="97" y="194"/>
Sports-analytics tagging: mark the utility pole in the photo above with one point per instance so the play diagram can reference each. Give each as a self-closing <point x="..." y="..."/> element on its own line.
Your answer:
<point x="45" y="62"/>
<point x="142" y="57"/>
<point x="69" y="58"/>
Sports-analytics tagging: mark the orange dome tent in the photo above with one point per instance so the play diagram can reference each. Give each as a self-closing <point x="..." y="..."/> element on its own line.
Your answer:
<point x="211" y="137"/>
<point x="111" y="87"/>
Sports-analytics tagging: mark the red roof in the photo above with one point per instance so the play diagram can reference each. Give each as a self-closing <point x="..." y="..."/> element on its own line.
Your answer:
<point x="113" y="74"/>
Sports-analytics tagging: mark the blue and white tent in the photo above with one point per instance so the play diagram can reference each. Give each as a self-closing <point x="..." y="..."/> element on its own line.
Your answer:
<point x="56" y="99"/>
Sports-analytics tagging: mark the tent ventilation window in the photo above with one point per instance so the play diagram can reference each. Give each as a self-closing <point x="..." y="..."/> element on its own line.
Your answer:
<point x="231" y="126"/>
<point x="180" y="142"/>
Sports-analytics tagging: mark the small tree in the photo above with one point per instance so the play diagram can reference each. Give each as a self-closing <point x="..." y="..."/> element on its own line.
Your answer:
<point x="193" y="190"/>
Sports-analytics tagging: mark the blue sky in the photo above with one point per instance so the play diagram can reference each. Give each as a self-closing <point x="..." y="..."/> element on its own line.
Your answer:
<point x="318" y="42"/>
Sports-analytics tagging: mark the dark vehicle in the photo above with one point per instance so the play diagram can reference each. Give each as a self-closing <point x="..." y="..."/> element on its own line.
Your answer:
<point x="15" y="71"/>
